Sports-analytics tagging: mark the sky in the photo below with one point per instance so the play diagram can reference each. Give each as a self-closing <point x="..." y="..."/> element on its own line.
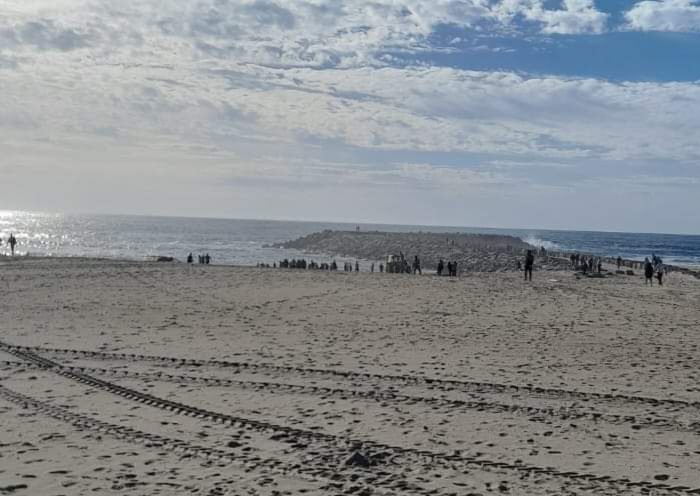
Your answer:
<point x="562" y="114"/>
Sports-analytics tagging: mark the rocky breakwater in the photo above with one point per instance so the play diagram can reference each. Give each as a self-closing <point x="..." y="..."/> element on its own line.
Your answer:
<point x="473" y="252"/>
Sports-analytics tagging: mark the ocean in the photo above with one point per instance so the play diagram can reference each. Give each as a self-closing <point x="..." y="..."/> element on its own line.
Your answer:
<point x="243" y="242"/>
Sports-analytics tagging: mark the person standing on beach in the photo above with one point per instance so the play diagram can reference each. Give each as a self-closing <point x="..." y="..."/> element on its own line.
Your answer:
<point x="619" y="262"/>
<point x="12" y="241"/>
<point x="660" y="275"/>
<point x="416" y="265"/>
<point x="648" y="272"/>
<point x="440" y="267"/>
<point x="190" y="258"/>
<point x="529" y="264"/>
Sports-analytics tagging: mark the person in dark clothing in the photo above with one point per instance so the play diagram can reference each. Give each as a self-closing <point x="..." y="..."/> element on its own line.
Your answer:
<point x="648" y="272"/>
<point x="12" y="242"/>
<point x="619" y="262"/>
<point x="660" y="276"/>
<point x="416" y="265"/>
<point x="357" y="266"/>
<point x="190" y="258"/>
<point x="529" y="264"/>
<point x="207" y="259"/>
<point x="440" y="267"/>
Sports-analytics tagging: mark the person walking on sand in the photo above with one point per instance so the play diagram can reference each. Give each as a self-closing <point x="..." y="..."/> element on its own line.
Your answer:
<point x="190" y="258"/>
<point x="12" y="241"/>
<point x="529" y="264"/>
<point x="648" y="272"/>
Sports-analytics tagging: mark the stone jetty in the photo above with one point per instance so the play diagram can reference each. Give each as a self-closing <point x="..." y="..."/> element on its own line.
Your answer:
<point x="473" y="252"/>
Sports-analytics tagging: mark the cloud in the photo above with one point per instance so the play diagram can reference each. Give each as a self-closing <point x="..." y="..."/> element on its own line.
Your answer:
<point x="44" y="34"/>
<point x="576" y="17"/>
<point x="665" y="15"/>
<point x="319" y="33"/>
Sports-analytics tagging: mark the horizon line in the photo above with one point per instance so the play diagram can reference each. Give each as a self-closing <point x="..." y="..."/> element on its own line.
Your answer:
<point x="350" y="223"/>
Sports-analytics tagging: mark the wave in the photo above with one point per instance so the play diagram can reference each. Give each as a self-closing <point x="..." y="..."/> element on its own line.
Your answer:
<point x="537" y="242"/>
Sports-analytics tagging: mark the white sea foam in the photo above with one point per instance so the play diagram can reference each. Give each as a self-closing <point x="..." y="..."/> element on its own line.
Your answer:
<point x="537" y="242"/>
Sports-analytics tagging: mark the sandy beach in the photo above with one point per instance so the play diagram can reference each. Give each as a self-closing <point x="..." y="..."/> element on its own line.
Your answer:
<point x="162" y="378"/>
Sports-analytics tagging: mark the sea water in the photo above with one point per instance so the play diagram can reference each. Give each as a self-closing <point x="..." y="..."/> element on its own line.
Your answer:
<point x="246" y="242"/>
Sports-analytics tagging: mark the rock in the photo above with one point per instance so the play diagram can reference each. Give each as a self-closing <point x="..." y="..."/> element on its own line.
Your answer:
<point x="357" y="459"/>
<point x="165" y="259"/>
<point x="661" y="477"/>
<point x="630" y="272"/>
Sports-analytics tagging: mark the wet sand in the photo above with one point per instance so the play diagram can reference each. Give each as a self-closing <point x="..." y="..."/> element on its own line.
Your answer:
<point x="224" y="380"/>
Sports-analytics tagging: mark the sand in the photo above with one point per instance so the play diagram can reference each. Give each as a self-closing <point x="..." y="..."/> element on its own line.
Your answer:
<point x="303" y="382"/>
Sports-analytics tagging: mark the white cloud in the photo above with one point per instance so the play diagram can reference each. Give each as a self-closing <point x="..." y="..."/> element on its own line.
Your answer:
<point x="576" y="17"/>
<point x="665" y="15"/>
<point x="303" y="93"/>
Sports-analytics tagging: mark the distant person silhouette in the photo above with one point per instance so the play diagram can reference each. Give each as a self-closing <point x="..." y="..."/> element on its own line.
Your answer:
<point x="648" y="272"/>
<point x="190" y="258"/>
<point x="440" y="267"/>
<point x="416" y="265"/>
<point x="12" y="241"/>
<point x="619" y="262"/>
<point x="529" y="264"/>
<point x="207" y="259"/>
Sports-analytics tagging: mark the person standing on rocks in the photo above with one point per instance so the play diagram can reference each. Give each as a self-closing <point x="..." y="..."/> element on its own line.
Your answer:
<point x="529" y="264"/>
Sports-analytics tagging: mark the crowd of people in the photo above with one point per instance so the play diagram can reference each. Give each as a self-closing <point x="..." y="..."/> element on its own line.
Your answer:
<point x="202" y="259"/>
<point x="654" y="268"/>
<point x="399" y="264"/>
<point x="588" y="264"/>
